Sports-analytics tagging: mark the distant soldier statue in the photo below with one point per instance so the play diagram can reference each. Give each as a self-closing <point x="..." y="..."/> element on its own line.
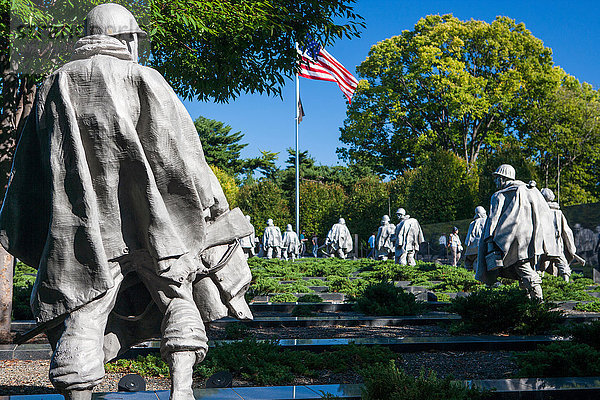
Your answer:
<point x="272" y="239"/>
<point x="585" y="241"/>
<point x="112" y="200"/>
<point x="559" y="266"/>
<point x="473" y="235"/>
<point x="249" y="242"/>
<point x="339" y="240"/>
<point x="384" y="240"/>
<point x="290" y="246"/>
<point x="408" y="236"/>
<point x="518" y="230"/>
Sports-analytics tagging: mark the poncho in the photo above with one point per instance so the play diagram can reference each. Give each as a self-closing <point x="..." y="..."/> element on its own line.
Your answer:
<point x="108" y="163"/>
<point x="339" y="237"/>
<point x="408" y="235"/>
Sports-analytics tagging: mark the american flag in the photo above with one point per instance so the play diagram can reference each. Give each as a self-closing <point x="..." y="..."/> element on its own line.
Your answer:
<point x="318" y="64"/>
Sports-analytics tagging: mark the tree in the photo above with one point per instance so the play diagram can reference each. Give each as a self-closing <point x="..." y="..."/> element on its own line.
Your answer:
<point x="562" y="133"/>
<point x="263" y="200"/>
<point x="442" y="189"/>
<point x="368" y="201"/>
<point x="221" y="147"/>
<point x="321" y="206"/>
<point x="206" y="49"/>
<point x="230" y="188"/>
<point x="446" y="84"/>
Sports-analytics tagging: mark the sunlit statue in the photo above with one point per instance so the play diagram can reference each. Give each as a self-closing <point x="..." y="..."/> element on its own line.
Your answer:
<point x="249" y="242"/>
<point x="290" y="247"/>
<point x="112" y="200"/>
<point x="384" y="242"/>
<point x="408" y="236"/>
<point x="586" y="242"/>
<point x="473" y="235"/>
<point x="272" y="240"/>
<point x="339" y="240"/>
<point x="518" y="230"/>
<point x="559" y="266"/>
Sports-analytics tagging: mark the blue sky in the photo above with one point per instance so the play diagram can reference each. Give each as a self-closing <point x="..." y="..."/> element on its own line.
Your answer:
<point x="570" y="28"/>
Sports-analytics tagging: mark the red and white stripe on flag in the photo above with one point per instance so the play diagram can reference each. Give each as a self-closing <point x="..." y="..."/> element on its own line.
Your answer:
<point x="327" y="68"/>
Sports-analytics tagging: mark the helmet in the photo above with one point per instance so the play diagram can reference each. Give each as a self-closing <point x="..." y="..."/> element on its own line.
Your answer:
<point x="289" y="227"/>
<point x="548" y="194"/>
<point x="506" y="171"/>
<point x="480" y="211"/>
<point x="401" y="211"/>
<point x="342" y="221"/>
<point x="455" y="229"/>
<point x="270" y="222"/>
<point x="111" y="19"/>
<point x="385" y="218"/>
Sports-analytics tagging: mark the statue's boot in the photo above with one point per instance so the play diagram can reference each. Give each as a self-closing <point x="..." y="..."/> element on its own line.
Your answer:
<point x="182" y="367"/>
<point x="566" y="278"/>
<point x="77" y="394"/>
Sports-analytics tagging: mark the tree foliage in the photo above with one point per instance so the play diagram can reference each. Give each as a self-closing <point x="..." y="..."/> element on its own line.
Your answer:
<point x="321" y="206"/>
<point x="221" y="146"/>
<point x="446" y="84"/>
<point x="263" y="200"/>
<point x="230" y="188"/>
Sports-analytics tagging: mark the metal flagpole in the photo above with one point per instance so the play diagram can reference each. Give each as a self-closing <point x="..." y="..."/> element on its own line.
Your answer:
<point x="297" y="157"/>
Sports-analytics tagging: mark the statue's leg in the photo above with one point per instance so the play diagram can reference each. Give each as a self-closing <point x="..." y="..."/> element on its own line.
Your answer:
<point x="269" y="252"/>
<point x="529" y="279"/>
<point x="410" y="258"/>
<point x="184" y="341"/>
<point x="563" y="268"/>
<point x="77" y="364"/>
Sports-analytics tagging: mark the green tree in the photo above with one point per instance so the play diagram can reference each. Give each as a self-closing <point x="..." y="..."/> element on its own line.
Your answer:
<point x="446" y="84"/>
<point x="321" y="206"/>
<point x="206" y="49"/>
<point x="263" y="200"/>
<point x="230" y="188"/>
<point x="562" y="133"/>
<point x="368" y="201"/>
<point x="221" y="146"/>
<point x="442" y="189"/>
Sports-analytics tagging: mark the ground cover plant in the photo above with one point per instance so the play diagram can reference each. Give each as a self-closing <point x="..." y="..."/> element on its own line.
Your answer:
<point x="385" y="381"/>
<point x="556" y="289"/>
<point x="264" y="362"/>
<point x="23" y="280"/>
<point x="386" y="299"/>
<point x="503" y="310"/>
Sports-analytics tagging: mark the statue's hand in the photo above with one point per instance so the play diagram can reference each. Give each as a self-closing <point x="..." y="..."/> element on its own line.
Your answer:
<point x="178" y="269"/>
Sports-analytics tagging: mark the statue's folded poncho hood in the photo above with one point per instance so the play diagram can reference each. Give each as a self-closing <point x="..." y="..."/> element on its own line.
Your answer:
<point x="108" y="163"/>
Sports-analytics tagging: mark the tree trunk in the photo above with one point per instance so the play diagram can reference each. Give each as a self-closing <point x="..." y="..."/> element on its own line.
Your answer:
<point x="6" y="294"/>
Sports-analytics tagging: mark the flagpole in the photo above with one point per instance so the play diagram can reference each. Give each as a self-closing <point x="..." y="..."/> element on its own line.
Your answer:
<point x="297" y="157"/>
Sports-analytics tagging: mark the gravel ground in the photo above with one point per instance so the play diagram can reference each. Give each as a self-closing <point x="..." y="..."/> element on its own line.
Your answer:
<point x="318" y="332"/>
<point x="31" y="377"/>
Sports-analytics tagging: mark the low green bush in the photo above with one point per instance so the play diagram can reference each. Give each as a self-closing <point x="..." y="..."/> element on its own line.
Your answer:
<point x="265" y="363"/>
<point x="283" y="298"/>
<point x="150" y="365"/>
<point x="386" y="382"/>
<point x="351" y="287"/>
<point x="507" y="309"/>
<point x="588" y="307"/>
<point x="304" y="310"/>
<point x="559" y="359"/>
<point x="587" y="333"/>
<point x="236" y="331"/>
<point x="386" y="299"/>
<point x="310" y="298"/>
<point x="556" y="289"/>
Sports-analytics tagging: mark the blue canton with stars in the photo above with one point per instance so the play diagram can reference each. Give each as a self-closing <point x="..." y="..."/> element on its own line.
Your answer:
<point x="312" y="49"/>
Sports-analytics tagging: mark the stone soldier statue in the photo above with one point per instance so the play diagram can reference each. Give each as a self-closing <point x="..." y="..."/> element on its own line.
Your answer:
<point x="248" y="242"/>
<point x="518" y="230"/>
<point x="290" y="244"/>
<point x="408" y="236"/>
<point x="383" y="241"/>
<point x="473" y="235"/>
<point x="272" y="239"/>
<point x="112" y="200"/>
<point x="585" y="241"/>
<point x="559" y="266"/>
<point x="339" y="240"/>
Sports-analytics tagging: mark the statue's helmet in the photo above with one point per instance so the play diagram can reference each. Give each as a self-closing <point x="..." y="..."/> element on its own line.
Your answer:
<point x="505" y="170"/>
<point x="385" y="218"/>
<point x="480" y="212"/>
<point x="577" y="226"/>
<point x="248" y="217"/>
<point x="342" y="221"/>
<point x="270" y="222"/>
<point x="548" y="194"/>
<point x="111" y="19"/>
<point x="289" y="227"/>
<point x="401" y="211"/>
